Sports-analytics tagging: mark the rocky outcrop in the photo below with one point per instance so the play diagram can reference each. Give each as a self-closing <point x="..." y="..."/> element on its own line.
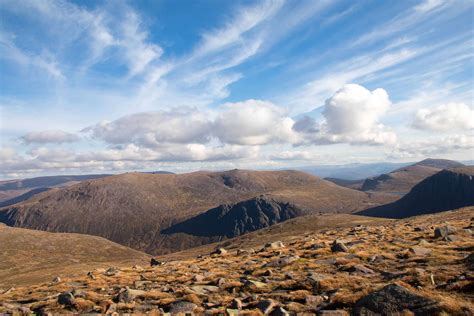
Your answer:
<point x="231" y="220"/>
<point x="447" y="189"/>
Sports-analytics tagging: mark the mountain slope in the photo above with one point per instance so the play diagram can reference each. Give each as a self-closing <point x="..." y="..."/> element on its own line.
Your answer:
<point x="401" y="180"/>
<point x="132" y="209"/>
<point x="447" y="189"/>
<point x="231" y="220"/>
<point x="30" y="256"/>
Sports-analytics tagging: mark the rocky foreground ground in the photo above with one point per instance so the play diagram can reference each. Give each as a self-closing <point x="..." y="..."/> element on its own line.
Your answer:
<point x="422" y="266"/>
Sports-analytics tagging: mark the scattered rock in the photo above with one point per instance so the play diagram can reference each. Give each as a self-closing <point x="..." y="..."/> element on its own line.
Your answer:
<point x="359" y="268"/>
<point x="219" y="251"/>
<point x="236" y="304"/>
<point x="266" y="306"/>
<point x="279" y="311"/>
<point x="275" y="245"/>
<point x="182" y="307"/>
<point x="393" y="299"/>
<point x="282" y="261"/>
<point x="128" y="295"/>
<point x="111" y="271"/>
<point x="444" y="231"/>
<point x="67" y="299"/>
<point x="335" y="312"/>
<point x="199" y="278"/>
<point x="57" y="280"/>
<point x="419" y="251"/>
<point x="338" y="246"/>
<point x="154" y="262"/>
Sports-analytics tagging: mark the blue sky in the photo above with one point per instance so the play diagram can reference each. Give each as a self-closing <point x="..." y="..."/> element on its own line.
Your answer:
<point x="114" y="86"/>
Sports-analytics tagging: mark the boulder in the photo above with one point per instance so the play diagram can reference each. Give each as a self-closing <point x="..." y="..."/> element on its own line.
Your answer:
<point x="266" y="306"/>
<point x="275" y="245"/>
<point x="282" y="261"/>
<point x="154" y="262"/>
<point x="279" y="311"/>
<point x="67" y="299"/>
<point x="219" y="251"/>
<point x="419" y="251"/>
<point x="395" y="299"/>
<point x="182" y="307"/>
<point x="127" y="295"/>
<point x="338" y="246"/>
<point x="444" y="231"/>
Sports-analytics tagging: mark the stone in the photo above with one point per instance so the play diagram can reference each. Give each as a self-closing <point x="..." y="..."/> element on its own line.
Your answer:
<point x="198" y="278"/>
<point x="254" y="285"/>
<point x="266" y="306"/>
<point x="67" y="299"/>
<point x="313" y="300"/>
<point x="236" y="304"/>
<point x="338" y="246"/>
<point x="444" y="231"/>
<point x="282" y="261"/>
<point x="182" y="307"/>
<point x="451" y="238"/>
<point x="333" y="312"/>
<point x="395" y="299"/>
<point x="128" y="295"/>
<point x="275" y="245"/>
<point x="204" y="289"/>
<point x="361" y="269"/>
<point x="111" y="271"/>
<point x="57" y="280"/>
<point x="279" y="311"/>
<point x="219" y="251"/>
<point x="419" y="251"/>
<point x="154" y="262"/>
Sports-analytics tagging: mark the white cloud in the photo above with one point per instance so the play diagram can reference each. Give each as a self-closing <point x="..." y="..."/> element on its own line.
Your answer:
<point x="428" y="5"/>
<point x="151" y="129"/>
<point x="292" y="155"/>
<point x="50" y="136"/>
<point x="435" y="147"/>
<point x="351" y="115"/>
<point x="446" y="117"/>
<point x="253" y="122"/>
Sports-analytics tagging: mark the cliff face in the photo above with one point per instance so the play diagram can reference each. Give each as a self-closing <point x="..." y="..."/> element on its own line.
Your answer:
<point x="447" y="189"/>
<point x="231" y="220"/>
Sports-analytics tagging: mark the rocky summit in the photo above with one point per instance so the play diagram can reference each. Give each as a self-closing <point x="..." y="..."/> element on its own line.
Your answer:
<point x="393" y="267"/>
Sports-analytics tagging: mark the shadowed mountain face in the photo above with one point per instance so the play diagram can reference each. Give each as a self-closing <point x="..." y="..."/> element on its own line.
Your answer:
<point x="401" y="180"/>
<point x="232" y="220"/>
<point x="447" y="189"/>
<point x="132" y="209"/>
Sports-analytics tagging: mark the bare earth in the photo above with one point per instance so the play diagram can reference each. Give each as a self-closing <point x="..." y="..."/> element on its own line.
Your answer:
<point x="385" y="262"/>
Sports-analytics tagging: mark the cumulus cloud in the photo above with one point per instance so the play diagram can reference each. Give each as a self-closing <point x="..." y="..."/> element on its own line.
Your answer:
<point x="292" y="155"/>
<point x="446" y="117"/>
<point x="437" y="147"/>
<point x="351" y="115"/>
<point x="151" y="129"/>
<point x="253" y="122"/>
<point x="50" y="136"/>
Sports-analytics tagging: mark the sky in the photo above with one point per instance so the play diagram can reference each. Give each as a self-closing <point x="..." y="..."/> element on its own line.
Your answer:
<point x="118" y="86"/>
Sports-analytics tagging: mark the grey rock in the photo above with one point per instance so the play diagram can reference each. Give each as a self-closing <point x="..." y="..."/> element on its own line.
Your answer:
<point x="338" y="246"/>
<point x="182" y="307"/>
<point x="154" y="262"/>
<point x="236" y="304"/>
<point x="266" y="306"/>
<point x="67" y="299"/>
<point x="275" y="245"/>
<point x="444" y="231"/>
<point x="279" y="311"/>
<point x="334" y="312"/>
<point x="420" y="251"/>
<point x="393" y="299"/>
<point x="282" y="261"/>
<point x="219" y="251"/>
<point x="128" y="295"/>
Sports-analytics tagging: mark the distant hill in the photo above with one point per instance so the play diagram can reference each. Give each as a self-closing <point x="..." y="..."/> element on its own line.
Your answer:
<point x="30" y="256"/>
<point x="132" y="209"/>
<point x="447" y="189"/>
<point x="401" y="180"/>
<point x="21" y="189"/>
<point x="355" y="171"/>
